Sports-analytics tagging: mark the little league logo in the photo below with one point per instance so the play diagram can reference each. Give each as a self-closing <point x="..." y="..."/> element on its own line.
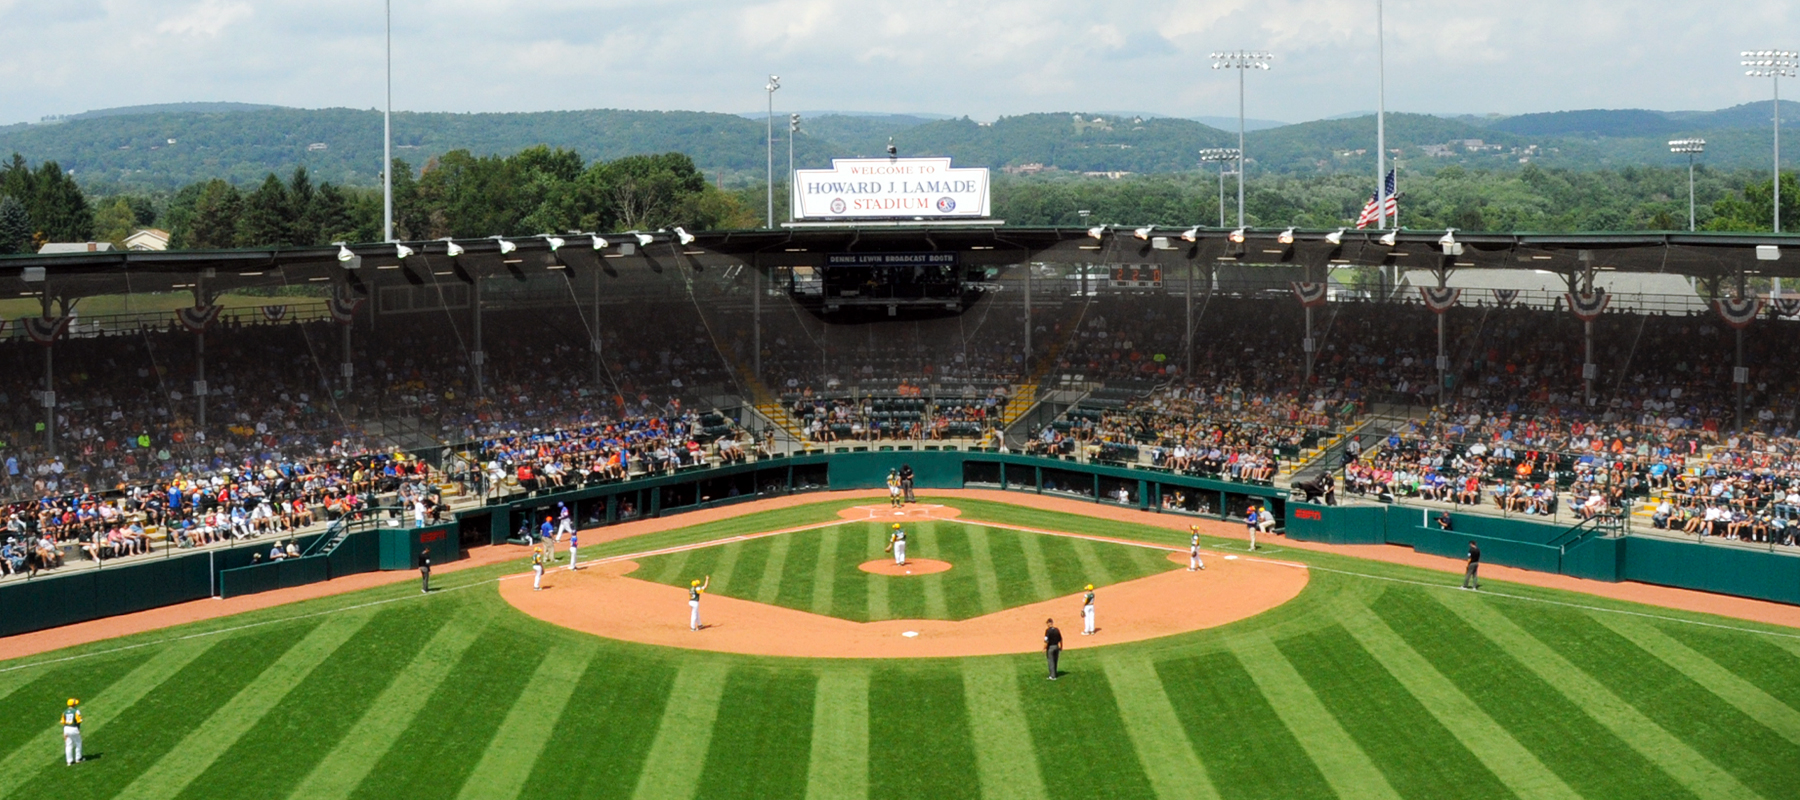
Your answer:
<point x="838" y="205"/>
<point x="946" y="205"/>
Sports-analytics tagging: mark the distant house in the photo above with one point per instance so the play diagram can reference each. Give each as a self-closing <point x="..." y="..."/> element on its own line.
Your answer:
<point x="54" y="248"/>
<point x="317" y="147"/>
<point x="148" y="239"/>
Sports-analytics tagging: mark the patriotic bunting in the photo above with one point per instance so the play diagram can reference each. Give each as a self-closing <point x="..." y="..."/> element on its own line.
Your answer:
<point x="1504" y="297"/>
<point x="274" y="313"/>
<point x="1588" y="305"/>
<point x="343" y="305"/>
<point x="198" y="318"/>
<point x="46" y="330"/>
<point x="1439" y="299"/>
<point x="1786" y="306"/>
<point x="1738" y="312"/>
<point x="1311" y="295"/>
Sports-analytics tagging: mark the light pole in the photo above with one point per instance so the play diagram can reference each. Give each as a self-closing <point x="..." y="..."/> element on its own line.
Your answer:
<point x="1381" y="119"/>
<point x="793" y="128"/>
<point x="769" y="143"/>
<point x="1220" y="156"/>
<point x="1774" y="65"/>
<point x="1241" y="61"/>
<point x="1691" y="147"/>
<point x="387" y="137"/>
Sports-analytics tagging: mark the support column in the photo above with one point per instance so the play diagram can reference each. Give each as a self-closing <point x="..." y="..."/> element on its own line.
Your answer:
<point x="1740" y="372"/>
<point x="200" y="379"/>
<point x="347" y="367"/>
<point x="478" y="357"/>
<point x="1443" y="357"/>
<point x="594" y="343"/>
<point x="1188" y="335"/>
<point x="49" y="400"/>
<point x="1028" y="310"/>
<point x="756" y="293"/>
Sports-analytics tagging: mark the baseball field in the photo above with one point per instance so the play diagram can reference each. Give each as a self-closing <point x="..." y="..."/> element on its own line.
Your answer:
<point x="1374" y="680"/>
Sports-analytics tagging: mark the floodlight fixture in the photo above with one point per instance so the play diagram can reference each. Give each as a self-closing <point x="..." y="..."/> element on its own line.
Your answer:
<point x="1191" y="234"/>
<point x="1144" y="232"/>
<point x="555" y="242"/>
<point x="1336" y="237"/>
<point x="1391" y="238"/>
<point x="1237" y="236"/>
<point x="1096" y="232"/>
<point x="1286" y="237"/>
<point x="402" y="252"/>
<point x="1243" y="61"/>
<point x="345" y="256"/>
<point x="1774" y="65"/>
<point x="506" y="247"/>
<point x="452" y="249"/>
<point x="1679" y="146"/>
<point x="685" y="237"/>
<point x="599" y="243"/>
<point x="644" y="239"/>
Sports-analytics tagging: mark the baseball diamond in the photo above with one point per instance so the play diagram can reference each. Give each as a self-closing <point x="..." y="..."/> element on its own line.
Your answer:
<point x="1375" y="679"/>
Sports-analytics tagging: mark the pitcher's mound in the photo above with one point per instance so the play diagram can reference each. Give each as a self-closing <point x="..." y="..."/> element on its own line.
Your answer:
<point x="914" y="566"/>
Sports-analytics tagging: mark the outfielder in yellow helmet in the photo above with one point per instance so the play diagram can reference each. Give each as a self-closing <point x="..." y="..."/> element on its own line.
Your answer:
<point x="73" y="702"/>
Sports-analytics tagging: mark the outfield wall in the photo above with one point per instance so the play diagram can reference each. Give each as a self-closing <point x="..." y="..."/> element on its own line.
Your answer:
<point x="76" y="596"/>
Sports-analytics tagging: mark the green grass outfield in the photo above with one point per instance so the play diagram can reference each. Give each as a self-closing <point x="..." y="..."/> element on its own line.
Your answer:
<point x="1378" y="681"/>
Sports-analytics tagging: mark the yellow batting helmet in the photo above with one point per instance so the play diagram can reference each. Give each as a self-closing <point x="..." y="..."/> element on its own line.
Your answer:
<point x="74" y="702"/>
<point x="1090" y="587"/>
<point x="896" y="526"/>
<point x="693" y="583"/>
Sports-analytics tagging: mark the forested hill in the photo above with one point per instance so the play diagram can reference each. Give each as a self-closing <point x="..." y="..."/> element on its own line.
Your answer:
<point x="161" y="148"/>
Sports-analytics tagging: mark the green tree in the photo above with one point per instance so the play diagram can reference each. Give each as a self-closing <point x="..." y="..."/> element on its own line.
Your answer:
<point x="265" y="222"/>
<point x="115" y="221"/>
<point x="1752" y="209"/>
<point x="15" y="226"/>
<point x="213" y="223"/>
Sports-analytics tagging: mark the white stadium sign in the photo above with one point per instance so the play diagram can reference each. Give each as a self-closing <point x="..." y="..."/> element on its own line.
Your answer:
<point x="890" y="188"/>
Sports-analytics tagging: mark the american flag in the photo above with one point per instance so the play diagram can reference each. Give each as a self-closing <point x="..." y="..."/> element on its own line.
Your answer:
<point x="1371" y="212"/>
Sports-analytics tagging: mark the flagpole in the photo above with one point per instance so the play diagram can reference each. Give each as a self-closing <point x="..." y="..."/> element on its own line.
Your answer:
<point x="1381" y="120"/>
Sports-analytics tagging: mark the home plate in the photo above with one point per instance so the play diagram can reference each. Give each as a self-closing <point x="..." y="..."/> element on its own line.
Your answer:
<point x="1231" y="558"/>
<point x="910" y="634"/>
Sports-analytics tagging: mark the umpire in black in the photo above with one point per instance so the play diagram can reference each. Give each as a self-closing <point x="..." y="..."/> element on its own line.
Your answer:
<point x="425" y="571"/>
<point x="1469" y="579"/>
<point x="1052" y="645"/>
<point x="906" y="483"/>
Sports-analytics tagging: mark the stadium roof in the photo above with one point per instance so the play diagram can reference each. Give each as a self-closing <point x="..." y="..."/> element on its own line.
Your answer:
<point x="1707" y="257"/>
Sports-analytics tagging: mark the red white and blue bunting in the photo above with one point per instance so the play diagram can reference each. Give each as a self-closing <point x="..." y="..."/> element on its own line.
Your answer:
<point x="46" y="330"/>
<point x="274" y="313"/>
<point x="1738" y="312"/>
<point x="1504" y="297"/>
<point x="1786" y="306"/>
<point x="1589" y="305"/>
<point x="1439" y="298"/>
<point x="1311" y="295"/>
<point x="198" y="318"/>
<point x="342" y="305"/>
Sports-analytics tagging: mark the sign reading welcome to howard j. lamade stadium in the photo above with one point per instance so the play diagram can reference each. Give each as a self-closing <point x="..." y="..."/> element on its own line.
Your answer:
<point x="890" y="188"/>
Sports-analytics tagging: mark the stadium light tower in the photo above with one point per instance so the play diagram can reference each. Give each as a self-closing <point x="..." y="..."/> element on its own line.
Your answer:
<point x="1221" y="155"/>
<point x="1242" y="61"/>
<point x="387" y="137"/>
<point x="793" y="128"/>
<point x="769" y="143"/>
<point x="1691" y="147"/>
<point x="1774" y="65"/>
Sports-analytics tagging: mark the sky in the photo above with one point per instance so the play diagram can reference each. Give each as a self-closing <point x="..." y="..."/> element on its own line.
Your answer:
<point x="980" y="58"/>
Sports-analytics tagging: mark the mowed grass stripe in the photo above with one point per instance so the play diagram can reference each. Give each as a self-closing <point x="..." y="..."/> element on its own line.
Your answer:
<point x="1083" y="748"/>
<point x="1488" y="740"/>
<point x="838" y="766"/>
<point x="460" y="717"/>
<point x="1343" y="762"/>
<point x="1419" y="757"/>
<point x="1163" y="751"/>
<point x="1247" y="752"/>
<point x="671" y="769"/>
<point x="201" y="747"/>
<point x="981" y="566"/>
<point x="962" y="594"/>
<point x="1759" y="659"/>
<point x="1673" y="701"/>
<point x="724" y="566"/>
<point x="1658" y="746"/>
<point x="604" y="732"/>
<point x="1093" y="567"/>
<point x="1527" y="706"/>
<point x="29" y="706"/>
<point x="873" y="543"/>
<point x="768" y="588"/>
<point x="1036" y="566"/>
<point x="799" y="573"/>
<point x="523" y="736"/>
<point x="765" y="719"/>
<point x="937" y="602"/>
<point x="364" y="744"/>
<point x="1743" y="695"/>
<point x="1011" y="570"/>
<point x="825" y="571"/>
<point x="1004" y="757"/>
<point x="919" y="739"/>
<point x="316" y="713"/>
<point x="156" y="723"/>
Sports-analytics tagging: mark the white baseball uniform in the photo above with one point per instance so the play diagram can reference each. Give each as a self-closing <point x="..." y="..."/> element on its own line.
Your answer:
<point x="1087" y="614"/>
<point x="71" y="722"/>
<point x="1194" y="561"/>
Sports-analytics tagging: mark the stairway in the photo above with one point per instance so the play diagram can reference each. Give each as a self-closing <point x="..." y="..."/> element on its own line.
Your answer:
<point x="1024" y="396"/>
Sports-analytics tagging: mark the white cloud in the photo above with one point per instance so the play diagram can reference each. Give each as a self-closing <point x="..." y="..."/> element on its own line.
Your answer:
<point x="948" y="56"/>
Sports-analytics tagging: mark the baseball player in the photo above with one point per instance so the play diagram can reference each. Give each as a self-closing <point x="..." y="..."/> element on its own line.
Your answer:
<point x="537" y="568"/>
<point x="897" y="543"/>
<point x="893" y="484"/>
<point x="695" y="589"/>
<point x="71" y="722"/>
<point x="1087" y="612"/>
<point x="565" y="521"/>
<point x="1194" y="561"/>
<point x="1250" y="525"/>
<point x="546" y="534"/>
<point x="573" y="543"/>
